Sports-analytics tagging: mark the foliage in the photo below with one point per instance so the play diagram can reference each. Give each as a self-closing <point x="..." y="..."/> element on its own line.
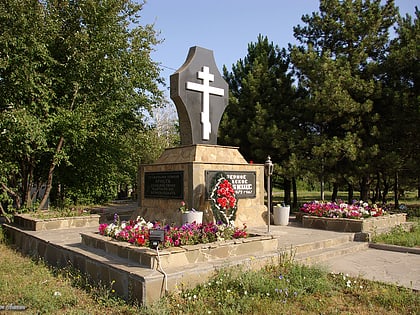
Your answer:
<point x="45" y="290"/>
<point x="259" y="117"/>
<point x="66" y="212"/>
<point x="137" y="232"/>
<point x="357" y="210"/>
<point x="399" y="148"/>
<point x="291" y="289"/>
<point x="223" y="200"/>
<point x="76" y="78"/>
<point x="401" y="236"/>
<point x="342" y="122"/>
<point x="342" y="46"/>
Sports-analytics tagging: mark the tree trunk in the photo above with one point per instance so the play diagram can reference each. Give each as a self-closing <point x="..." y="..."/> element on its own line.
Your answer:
<point x="386" y="190"/>
<point x="335" y="192"/>
<point x="377" y="194"/>
<point x="50" y="174"/>
<point x="396" y="191"/>
<point x="322" y="196"/>
<point x="27" y="182"/>
<point x="418" y="187"/>
<point x="16" y="198"/>
<point x="287" y="191"/>
<point x="295" y="193"/>
<point x="4" y="213"/>
<point x="364" y="188"/>
<point x="350" y="194"/>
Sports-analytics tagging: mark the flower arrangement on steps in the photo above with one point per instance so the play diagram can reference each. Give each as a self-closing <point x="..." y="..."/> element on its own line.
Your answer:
<point x="137" y="232"/>
<point x="223" y="200"/>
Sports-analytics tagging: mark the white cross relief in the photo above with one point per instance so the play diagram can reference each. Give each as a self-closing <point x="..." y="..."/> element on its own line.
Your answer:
<point x="206" y="89"/>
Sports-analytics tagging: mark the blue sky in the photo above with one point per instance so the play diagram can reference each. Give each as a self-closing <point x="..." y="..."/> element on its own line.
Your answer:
<point x="226" y="26"/>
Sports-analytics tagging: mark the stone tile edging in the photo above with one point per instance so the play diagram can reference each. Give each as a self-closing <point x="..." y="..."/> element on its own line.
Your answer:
<point x="353" y="225"/>
<point x="395" y="248"/>
<point x="28" y="222"/>
<point x="182" y="255"/>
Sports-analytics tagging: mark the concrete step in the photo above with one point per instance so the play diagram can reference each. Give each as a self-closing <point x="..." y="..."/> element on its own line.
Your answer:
<point x="323" y="254"/>
<point x="312" y="245"/>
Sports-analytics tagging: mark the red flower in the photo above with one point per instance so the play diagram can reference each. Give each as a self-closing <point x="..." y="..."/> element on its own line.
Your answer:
<point x="141" y="240"/>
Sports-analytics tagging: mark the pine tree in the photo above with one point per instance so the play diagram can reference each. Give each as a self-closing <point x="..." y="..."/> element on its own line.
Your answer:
<point x="341" y="48"/>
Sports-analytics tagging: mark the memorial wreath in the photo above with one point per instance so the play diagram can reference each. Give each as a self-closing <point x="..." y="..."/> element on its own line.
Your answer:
<point x="223" y="199"/>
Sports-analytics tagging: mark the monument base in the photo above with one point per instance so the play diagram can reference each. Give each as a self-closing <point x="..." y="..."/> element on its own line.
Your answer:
<point x="190" y="167"/>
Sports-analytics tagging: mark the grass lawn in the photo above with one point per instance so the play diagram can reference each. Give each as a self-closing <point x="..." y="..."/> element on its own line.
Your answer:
<point x="284" y="288"/>
<point x="401" y="237"/>
<point x="44" y="290"/>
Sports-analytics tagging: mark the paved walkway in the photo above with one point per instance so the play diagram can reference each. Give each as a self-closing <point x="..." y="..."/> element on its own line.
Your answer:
<point x="380" y="265"/>
<point x="373" y="264"/>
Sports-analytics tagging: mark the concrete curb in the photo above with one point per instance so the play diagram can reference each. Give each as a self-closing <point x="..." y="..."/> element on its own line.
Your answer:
<point x="395" y="248"/>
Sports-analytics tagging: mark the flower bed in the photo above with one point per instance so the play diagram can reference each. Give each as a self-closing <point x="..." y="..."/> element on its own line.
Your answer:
<point x="359" y="217"/>
<point x="137" y="232"/>
<point x="357" y="210"/>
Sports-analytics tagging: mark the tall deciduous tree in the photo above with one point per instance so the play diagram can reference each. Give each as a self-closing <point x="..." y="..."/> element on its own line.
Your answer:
<point x="75" y="78"/>
<point x="341" y="47"/>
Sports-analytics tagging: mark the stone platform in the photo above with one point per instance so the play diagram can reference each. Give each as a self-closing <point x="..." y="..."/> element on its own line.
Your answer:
<point x="146" y="275"/>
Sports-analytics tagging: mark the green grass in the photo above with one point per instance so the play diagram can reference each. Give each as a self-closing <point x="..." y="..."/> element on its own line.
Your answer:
<point x="282" y="288"/>
<point x="292" y="289"/>
<point x="400" y="236"/>
<point x="45" y="290"/>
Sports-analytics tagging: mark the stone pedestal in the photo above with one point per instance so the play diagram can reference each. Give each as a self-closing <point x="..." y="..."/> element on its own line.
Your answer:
<point x="192" y="162"/>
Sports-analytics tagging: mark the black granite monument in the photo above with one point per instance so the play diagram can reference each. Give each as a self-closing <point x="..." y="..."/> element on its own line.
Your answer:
<point x="198" y="81"/>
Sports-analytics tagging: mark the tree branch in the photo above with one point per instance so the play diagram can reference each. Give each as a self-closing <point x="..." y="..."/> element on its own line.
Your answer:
<point x="50" y="173"/>
<point x="14" y="195"/>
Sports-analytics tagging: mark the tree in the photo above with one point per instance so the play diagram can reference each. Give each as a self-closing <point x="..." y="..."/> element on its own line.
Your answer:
<point x="399" y="106"/>
<point x="75" y="78"/>
<point x="259" y="118"/>
<point x="341" y="47"/>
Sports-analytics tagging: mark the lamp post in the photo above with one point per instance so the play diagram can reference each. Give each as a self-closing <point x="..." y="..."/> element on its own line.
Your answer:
<point x="268" y="170"/>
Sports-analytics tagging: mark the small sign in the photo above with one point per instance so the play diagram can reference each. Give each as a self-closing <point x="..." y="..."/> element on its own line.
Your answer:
<point x="243" y="182"/>
<point x="167" y="185"/>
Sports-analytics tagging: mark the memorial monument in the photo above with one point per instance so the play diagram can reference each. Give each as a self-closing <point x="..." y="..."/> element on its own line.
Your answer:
<point x="185" y="173"/>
